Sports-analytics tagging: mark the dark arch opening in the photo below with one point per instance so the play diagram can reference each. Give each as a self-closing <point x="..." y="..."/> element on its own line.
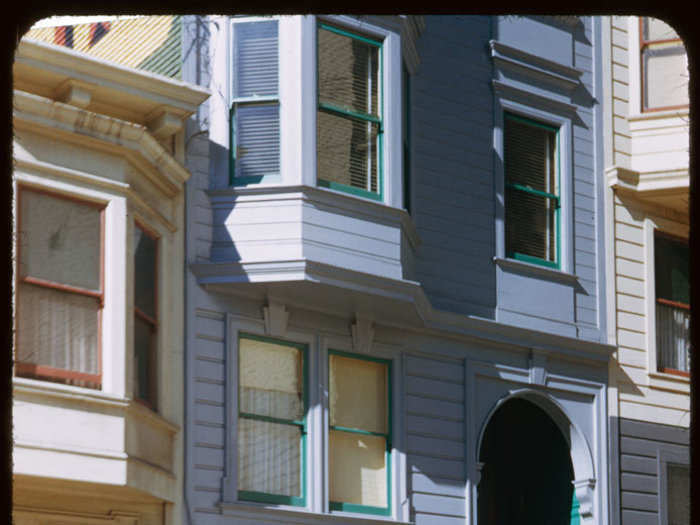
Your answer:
<point x="527" y="472"/>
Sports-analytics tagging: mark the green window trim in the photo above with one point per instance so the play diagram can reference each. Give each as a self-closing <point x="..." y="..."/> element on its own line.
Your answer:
<point x="343" y="112"/>
<point x="279" y="499"/>
<point x="556" y="263"/>
<point x="354" y="507"/>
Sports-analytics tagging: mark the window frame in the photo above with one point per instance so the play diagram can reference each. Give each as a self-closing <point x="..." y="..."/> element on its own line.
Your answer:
<point x="667" y="456"/>
<point x="649" y="44"/>
<point x="338" y="28"/>
<point x="265" y="100"/>
<point x="152" y="403"/>
<point x="353" y="507"/>
<point x="557" y="197"/>
<point x="43" y="372"/>
<point x="263" y="497"/>
<point x="658" y="300"/>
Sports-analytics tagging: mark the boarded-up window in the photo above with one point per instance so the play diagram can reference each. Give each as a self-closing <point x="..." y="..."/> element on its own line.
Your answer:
<point x="272" y="421"/>
<point x="349" y="125"/>
<point x="672" y="278"/>
<point x="359" y="449"/>
<point x="678" y="495"/>
<point x="59" y="295"/>
<point x="255" y="120"/>
<point x="531" y="191"/>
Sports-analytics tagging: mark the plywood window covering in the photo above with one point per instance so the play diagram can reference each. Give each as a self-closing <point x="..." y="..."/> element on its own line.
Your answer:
<point x="272" y="405"/>
<point x="60" y="289"/>
<point x="672" y="278"/>
<point x="145" y="316"/>
<point x="664" y="66"/>
<point x="532" y="202"/>
<point x="255" y="108"/>
<point x="678" y="490"/>
<point x="359" y="449"/>
<point x="349" y="119"/>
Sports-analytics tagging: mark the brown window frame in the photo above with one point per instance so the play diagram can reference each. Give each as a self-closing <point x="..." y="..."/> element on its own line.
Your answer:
<point x="50" y="373"/>
<point x="152" y="402"/>
<point x="668" y="302"/>
<point x="643" y="44"/>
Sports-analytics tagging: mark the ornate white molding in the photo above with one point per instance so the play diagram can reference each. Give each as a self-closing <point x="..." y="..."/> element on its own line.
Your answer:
<point x="584" y="495"/>
<point x="362" y="335"/>
<point x="276" y="318"/>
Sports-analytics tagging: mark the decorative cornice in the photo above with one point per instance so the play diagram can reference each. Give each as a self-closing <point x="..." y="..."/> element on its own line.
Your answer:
<point x="411" y="28"/>
<point x="539" y="69"/>
<point x="503" y="88"/>
<point x="78" y="125"/>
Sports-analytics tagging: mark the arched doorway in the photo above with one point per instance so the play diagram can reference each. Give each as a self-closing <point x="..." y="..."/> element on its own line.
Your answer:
<point x="526" y="477"/>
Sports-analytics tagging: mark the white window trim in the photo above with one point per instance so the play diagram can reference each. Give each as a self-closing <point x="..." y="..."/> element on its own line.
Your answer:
<point x="664" y="458"/>
<point x="317" y="501"/>
<point x="655" y="378"/>
<point x="566" y="217"/>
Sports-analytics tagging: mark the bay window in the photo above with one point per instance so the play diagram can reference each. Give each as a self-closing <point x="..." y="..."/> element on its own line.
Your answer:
<point x="255" y="107"/>
<point x="349" y="118"/>
<point x="532" y="201"/>
<point x="60" y="289"/>
<point x="664" y="66"/>
<point x="672" y="282"/>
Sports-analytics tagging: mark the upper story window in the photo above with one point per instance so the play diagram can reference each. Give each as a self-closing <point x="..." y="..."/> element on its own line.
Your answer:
<point x="671" y="276"/>
<point x="60" y="289"/>
<point x="664" y="66"/>
<point x="532" y="202"/>
<point x="349" y="118"/>
<point x="255" y="104"/>
<point x="145" y="316"/>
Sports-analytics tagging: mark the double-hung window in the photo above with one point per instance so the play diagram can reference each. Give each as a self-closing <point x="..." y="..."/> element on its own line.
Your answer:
<point x="145" y="316"/>
<point x="60" y="290"/>
<point x="349" y="117"/>
<point x="664" y="66"/>
<point x="671" y="276"/>
<point x="359" y="449"/>
<point x="272" y="405"/>
<point x="532" y="201"/>
<point x="255" y="107"/>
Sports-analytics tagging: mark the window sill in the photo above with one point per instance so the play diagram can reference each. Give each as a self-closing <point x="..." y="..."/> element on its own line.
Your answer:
<point x="294" y="515"/>
<point x="535" y="269"/>
<point x="659" y="113"/>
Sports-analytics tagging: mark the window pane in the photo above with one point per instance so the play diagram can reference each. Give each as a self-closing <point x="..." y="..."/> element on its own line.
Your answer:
<point x="144" y="272"/>
<point x="255" y="45"/>
<point x="347" y="151"/>
<point x="257" y="136"/>
<point x="348" y="72"/>
<point x="57" y="329"/>
<point x="530" y="225"/>
<point x="665" y="76"/>
<point x="269" y="458"/>
<point x="673" y="337"/>
<point x="678" y="495"/>
<point x="672" y="270"/>
<point x="530" y="156"/>
<point x="270" y="379"/>
<point x="655" y="29"/>
<point x="144" y="353"/>
<point x="59" y="240"/>
<point x="358" y="394"/>
<point x="357" y="469"/>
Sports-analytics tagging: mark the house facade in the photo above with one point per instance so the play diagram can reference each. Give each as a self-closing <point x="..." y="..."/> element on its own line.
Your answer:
<point x="396" y="291"/>
<point x="646" y="200"/>
<point x="98" y="151"/>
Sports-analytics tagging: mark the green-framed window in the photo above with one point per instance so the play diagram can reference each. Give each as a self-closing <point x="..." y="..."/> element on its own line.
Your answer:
<point x="349" y="118"/>
<point x="272" y="427"/>
<point x="255" y="107"/>
<point x="359" y="440"/>
<point x="532" y="194"/>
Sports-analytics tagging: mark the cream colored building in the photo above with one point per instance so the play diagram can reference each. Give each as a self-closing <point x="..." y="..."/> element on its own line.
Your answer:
<point x="98" y="155"/>
<point x="646" y="145"/>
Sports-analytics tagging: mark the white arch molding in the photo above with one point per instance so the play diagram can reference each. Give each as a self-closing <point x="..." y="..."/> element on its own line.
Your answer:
<point x="581" y="456"/>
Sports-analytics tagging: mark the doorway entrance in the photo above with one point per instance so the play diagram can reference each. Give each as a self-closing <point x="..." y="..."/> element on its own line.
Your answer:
<point x="527" y="471"/>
